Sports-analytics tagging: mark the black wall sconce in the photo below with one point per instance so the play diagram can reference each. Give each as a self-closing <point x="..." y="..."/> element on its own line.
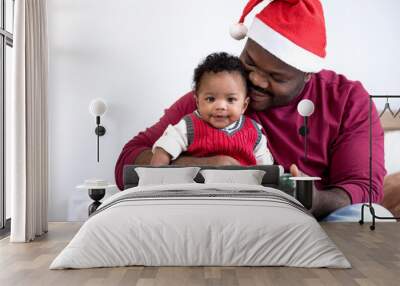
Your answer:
<point x="304" y="184"/>
<point x="97" y="108"/>
<point x="305" y="108"/>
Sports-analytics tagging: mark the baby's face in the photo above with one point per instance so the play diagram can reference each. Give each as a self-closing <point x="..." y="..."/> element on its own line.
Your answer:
<point x="221" y="98"/>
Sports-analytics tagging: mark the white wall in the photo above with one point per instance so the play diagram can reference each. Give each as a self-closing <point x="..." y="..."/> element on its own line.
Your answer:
<point x="140" y="55"/>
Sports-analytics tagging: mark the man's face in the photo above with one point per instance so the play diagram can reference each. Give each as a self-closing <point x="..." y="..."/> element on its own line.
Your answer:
<point x="221" y="98"/>
<point x="271" y="81"/>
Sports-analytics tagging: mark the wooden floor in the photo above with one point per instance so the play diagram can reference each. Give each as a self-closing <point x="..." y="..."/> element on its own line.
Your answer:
<point x="374" y="255"/>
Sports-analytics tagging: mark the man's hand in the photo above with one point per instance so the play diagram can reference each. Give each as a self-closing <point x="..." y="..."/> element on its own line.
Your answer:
<point x="391" y="195"/>
<point x="294" y="171"/>
<point x="145" y="158"/>
<point x="220" y="160"/>
<point x="324" y="201"/>
<point x="160" y="157"/>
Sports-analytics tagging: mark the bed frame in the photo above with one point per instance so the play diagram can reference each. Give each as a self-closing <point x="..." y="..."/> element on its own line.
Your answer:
<point x="270" y="179"/>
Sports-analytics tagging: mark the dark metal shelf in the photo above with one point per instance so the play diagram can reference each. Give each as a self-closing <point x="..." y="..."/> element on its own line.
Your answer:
<point x="369" y="204"/>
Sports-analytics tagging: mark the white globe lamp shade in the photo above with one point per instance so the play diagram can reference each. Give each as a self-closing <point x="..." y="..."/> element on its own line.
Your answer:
<point x="97" y="107"/>
<point x="305" y="107"/>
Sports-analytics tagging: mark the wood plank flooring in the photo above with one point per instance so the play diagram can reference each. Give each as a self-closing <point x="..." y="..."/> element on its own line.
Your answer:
<point x="374" y="255"/>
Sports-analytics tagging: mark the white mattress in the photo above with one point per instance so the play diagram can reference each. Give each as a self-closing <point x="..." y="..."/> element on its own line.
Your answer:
<point x="268" y="229"/>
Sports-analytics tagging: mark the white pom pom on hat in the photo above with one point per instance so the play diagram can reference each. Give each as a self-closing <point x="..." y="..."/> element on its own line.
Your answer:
<point x="238" y="31"/>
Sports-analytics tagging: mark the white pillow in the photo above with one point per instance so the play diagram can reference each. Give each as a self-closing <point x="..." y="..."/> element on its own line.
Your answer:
<point x="166" y="176"/>
<point x="248" y="177"/>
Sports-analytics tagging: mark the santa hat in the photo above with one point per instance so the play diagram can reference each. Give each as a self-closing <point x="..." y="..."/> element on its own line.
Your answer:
<point x="292" y="30"/>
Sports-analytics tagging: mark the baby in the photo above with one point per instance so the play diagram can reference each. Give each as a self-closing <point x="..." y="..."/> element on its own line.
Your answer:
<point x="218" y="126"/>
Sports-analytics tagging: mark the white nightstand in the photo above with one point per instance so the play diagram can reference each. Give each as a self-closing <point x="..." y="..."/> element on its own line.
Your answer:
<point x="96" y="190"/>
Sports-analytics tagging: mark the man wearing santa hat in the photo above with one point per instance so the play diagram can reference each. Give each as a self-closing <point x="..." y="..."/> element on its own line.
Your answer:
<point x="284" y="55"/>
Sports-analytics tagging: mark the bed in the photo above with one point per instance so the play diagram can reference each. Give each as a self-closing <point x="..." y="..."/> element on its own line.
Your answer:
<point x="202" y="222"/>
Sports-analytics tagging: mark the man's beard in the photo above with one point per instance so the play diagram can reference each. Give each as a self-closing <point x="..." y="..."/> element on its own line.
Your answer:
<point x="263" y="99"/>
<point x="260" y="99"/>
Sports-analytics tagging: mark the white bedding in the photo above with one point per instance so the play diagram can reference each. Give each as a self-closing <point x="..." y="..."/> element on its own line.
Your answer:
<point x="239" y="228"/>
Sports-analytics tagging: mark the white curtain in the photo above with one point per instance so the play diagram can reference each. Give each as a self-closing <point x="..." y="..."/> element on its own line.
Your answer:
<point x="28" y="122"/>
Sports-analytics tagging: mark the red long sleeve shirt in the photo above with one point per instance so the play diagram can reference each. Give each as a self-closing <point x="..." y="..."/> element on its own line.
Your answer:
<point x="338" y="142"/>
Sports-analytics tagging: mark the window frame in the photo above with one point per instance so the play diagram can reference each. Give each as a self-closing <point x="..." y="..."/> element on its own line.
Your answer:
<point x="6" y="39"/>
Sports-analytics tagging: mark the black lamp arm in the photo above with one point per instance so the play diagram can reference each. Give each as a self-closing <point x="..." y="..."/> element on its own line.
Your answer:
<point x="99" y="131"/>
<point x="303" y="131"/>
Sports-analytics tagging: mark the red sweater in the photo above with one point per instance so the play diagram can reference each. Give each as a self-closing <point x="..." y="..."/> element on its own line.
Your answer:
<point x="205" y="140"/>
<point x="338" y="144"/>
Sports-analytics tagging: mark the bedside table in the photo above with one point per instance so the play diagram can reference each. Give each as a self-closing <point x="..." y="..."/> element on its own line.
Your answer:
<point x="96" y="191"/>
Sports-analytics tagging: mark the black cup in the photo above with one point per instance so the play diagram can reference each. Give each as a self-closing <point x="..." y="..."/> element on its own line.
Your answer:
<point x="304" y="192"/>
